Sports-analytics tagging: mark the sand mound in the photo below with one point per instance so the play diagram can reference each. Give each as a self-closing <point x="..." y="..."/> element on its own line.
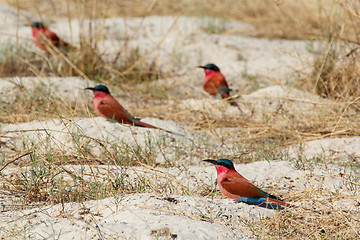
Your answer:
<point x="136" y="216"/>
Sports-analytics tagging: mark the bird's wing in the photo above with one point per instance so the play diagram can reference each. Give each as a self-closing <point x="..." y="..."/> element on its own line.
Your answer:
<point x="110" y="108"/>
<point x="242" y="187"/>
<point x="216" y="89"/>
<point x="51" y="36"/>
<point x="223" y="90"/>
<point x="223" y="87"/>
<point x="224" y="83"/>
<point x="55" y="39"/>
<point x="211" y="88"/>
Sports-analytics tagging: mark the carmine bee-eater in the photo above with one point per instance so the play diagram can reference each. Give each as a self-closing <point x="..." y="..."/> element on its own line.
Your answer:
<point x="106" y="106"/>
<point x="40" y="33"/>
<point x="215" y="84"/>
<point x="233" y="185"/>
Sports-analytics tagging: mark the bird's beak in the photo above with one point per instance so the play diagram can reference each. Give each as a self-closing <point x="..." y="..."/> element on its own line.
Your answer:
<point x="201" y="67"/>
<point x="211" y="161"/>
<point x="90" y="88"/>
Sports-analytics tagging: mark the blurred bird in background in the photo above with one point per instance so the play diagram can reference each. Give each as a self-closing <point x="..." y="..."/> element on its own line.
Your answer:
<point x="41" y="36"/>
<point x="215" y="84"/>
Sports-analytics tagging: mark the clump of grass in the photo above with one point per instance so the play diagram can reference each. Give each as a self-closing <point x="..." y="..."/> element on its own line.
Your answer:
<point x="263" y="150"/>
<point x="45" y="177"/>
<point x="127" y="154"/>
<point x="18" y="60"/>
<point x="320" y="219"/>
<point x="134" y="69"/>
<point x="214" y="26"/>
<point x="87" y="61"/>
<point x="336" y="72"/>
<point x="209" y="216"/>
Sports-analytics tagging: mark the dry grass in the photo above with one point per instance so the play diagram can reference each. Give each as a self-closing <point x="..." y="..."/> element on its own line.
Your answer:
<point x="284" y="127"/>
<point x="336" y="73"/>
<point x="320" y="213"/>
<point x="336" y="70"/>
<point x="274" y="19"/>
<point x="317" y="220"/>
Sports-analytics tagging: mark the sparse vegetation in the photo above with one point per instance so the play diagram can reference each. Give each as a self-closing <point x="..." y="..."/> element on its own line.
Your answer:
<point x="49" y="178"/>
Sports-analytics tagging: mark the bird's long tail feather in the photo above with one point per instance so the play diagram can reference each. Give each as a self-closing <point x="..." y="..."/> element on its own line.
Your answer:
<point x="276" y="201"/>
<point x="142" y="124"/>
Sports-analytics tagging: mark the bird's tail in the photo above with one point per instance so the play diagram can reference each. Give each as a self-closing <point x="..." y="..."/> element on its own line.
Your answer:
<point x="277" y="201"/>
<point x="142" y="124"/>
<point x="231" y="100"/>
<point x="233" y="103"/>
<point x="66" y="46"/>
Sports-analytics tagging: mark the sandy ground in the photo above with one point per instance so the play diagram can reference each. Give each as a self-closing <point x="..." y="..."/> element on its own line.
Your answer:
<point x="143" y="216"/>
<point x="175" y="214"/>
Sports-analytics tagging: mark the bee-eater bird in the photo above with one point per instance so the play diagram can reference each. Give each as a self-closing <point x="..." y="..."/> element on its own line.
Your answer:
<point x="215" y="84"/>
<point x="106" y="106"/>
<point x="233" y="185"/>
<point x="41" y="34"/>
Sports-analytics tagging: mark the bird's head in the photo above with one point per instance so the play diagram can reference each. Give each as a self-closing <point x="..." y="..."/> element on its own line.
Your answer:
<point x="37" y="25"/>
<point x="210" y="66"/>
<point x="99" y="88"/>
<point x="221" y="165"/>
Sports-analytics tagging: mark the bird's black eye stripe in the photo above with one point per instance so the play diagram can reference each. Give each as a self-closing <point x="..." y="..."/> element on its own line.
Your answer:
<point x="224" y="164"/>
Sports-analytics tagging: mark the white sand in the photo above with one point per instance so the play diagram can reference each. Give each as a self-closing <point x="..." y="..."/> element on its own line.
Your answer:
<point x="329" y="148"/>
<point x="137" y="216"/>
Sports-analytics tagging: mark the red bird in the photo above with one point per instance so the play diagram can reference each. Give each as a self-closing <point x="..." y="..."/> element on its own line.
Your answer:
<point x="106" y="106"/>
<point x="215" y="84"/>
<point x="40" y="33"/>
<point x="233" y="185"/>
